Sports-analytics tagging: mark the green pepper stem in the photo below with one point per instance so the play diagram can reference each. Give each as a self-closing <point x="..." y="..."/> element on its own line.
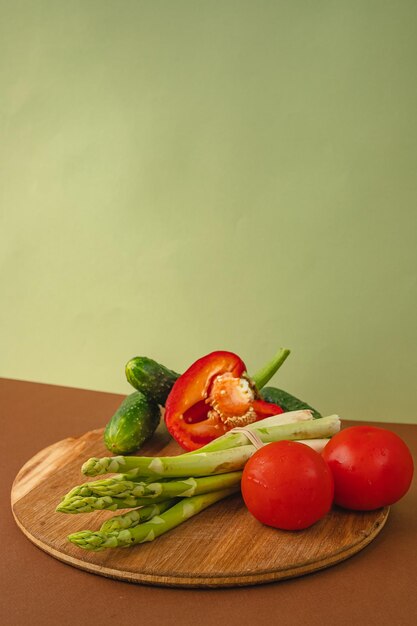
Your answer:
<point x="265" y="374"/>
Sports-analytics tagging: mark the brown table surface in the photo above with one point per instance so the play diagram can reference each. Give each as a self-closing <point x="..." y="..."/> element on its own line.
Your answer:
<point x="376" y="586"/>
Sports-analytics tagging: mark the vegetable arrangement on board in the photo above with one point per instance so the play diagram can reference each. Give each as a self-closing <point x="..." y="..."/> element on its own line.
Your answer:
<point x="196" y="479"/>
<point x="224" y="418"/>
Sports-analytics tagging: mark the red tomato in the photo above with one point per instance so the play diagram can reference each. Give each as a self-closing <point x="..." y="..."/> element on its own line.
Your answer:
<point x="372" y="467"/>
<point x="287" y="485"/>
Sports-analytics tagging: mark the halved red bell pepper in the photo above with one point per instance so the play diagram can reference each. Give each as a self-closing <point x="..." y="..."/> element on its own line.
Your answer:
<point x="214" y="395"/>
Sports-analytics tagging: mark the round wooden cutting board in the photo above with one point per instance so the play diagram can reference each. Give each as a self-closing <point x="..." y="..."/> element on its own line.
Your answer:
<point x="223" y="546"/>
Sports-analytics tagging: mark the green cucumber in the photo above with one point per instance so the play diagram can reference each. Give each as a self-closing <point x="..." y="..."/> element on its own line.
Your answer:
<point x="285" y="400"/>
<point x="150" y="378"/>
<point x="134" y="422"/>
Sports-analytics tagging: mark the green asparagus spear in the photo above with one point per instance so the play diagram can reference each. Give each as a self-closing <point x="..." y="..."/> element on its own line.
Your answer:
<point x="180" y="466"/>
<point x="155" y="492"/>
<point x="219" y="456"/>
<point x="292" y="425"/>
<point x="120" y="486"/>
<point x="148" y="531"/>
<point x="168" y="489"/>
<point x="136" y="517"/>
<point x="86" y="489"/>
<point x="88" y="504"/>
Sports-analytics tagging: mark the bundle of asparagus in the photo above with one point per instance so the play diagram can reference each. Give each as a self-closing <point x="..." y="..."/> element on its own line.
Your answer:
<point x="170" y="490"/>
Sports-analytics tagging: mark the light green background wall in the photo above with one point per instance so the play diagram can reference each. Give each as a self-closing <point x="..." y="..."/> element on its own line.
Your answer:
<point x="182" y="176"/>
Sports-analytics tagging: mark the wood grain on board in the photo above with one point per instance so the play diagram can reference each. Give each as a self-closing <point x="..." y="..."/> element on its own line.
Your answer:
<point x="223" y="546"/>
